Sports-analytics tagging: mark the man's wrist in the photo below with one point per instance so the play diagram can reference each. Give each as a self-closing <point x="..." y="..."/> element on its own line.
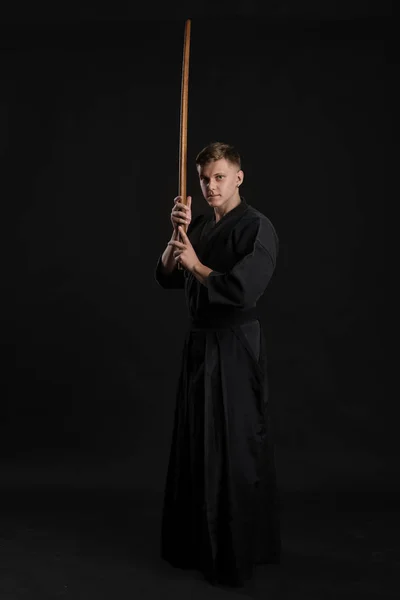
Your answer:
<point x="201" y="272"/>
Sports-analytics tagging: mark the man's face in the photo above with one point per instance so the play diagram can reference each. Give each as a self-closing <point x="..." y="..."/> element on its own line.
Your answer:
<point x="219" y="182"/>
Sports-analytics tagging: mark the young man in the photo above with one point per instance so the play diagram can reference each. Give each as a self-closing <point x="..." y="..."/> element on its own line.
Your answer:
<point x="220" y="511"/>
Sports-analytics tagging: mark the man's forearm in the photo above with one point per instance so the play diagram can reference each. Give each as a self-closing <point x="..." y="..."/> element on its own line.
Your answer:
<point x="168" y="261"/>
<point x="201" y="272"/>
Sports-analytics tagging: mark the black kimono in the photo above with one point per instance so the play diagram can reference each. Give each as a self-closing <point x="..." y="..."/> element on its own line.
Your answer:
<point x="220" y="511"/>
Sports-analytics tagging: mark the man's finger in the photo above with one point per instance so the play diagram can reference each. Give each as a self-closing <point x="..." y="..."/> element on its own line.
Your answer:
<point x="182" y="231"/>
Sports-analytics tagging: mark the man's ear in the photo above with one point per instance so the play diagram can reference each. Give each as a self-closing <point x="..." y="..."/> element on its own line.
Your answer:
<point x="240" y="177"/>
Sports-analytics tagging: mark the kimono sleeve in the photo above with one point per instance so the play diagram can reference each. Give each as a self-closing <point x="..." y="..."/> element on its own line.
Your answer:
<point x="245" y="283"/>
<point x="171" y="281"/>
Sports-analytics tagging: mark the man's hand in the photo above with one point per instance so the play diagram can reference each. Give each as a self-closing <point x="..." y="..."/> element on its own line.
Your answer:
<point x="181" y="213"/>
<point x="184" y="252"/>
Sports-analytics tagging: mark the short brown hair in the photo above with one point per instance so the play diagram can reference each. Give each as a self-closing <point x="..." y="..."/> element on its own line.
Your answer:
<point x="216" y="151"/>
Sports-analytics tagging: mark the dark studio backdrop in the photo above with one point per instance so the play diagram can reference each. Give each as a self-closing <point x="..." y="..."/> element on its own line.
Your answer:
<point x="89" y="139"/>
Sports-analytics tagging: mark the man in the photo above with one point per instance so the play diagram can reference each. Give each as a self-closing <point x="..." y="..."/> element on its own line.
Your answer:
<point x="220" y="511"/>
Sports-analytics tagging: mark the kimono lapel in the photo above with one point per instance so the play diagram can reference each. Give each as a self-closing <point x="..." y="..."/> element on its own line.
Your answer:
<point x="212" y="230"/>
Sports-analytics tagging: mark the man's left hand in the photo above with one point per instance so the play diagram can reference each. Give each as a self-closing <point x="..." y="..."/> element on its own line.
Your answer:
<point x="184" y="253"/>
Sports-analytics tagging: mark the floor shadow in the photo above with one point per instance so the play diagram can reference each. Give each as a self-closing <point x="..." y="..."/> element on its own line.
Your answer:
<point x="100" y="543"/>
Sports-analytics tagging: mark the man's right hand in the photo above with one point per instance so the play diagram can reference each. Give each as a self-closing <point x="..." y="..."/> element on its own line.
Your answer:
<point x="181" y="214"/>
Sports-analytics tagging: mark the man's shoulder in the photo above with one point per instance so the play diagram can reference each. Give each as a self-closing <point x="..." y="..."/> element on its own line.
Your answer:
<point x="260" y="228"/>
<point x="255" y="216"/>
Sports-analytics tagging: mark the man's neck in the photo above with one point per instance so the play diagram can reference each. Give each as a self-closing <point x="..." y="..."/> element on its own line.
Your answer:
<point x="221" y="211"/>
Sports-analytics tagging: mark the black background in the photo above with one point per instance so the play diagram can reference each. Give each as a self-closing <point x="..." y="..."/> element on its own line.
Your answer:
<point x="89" y="138"/>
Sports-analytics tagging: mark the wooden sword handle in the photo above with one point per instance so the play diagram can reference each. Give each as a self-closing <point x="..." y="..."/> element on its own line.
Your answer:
<point x="184" y="120"/>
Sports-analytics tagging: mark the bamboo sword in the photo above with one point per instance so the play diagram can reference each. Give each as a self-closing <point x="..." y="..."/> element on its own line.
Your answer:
<point x="184" y="120"/>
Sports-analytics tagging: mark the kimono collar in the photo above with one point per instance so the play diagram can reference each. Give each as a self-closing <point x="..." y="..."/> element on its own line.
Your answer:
<point x="240" y="208"/>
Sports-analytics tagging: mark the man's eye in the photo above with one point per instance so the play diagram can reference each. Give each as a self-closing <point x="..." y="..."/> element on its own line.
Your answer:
<point x="219" y="176"/>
